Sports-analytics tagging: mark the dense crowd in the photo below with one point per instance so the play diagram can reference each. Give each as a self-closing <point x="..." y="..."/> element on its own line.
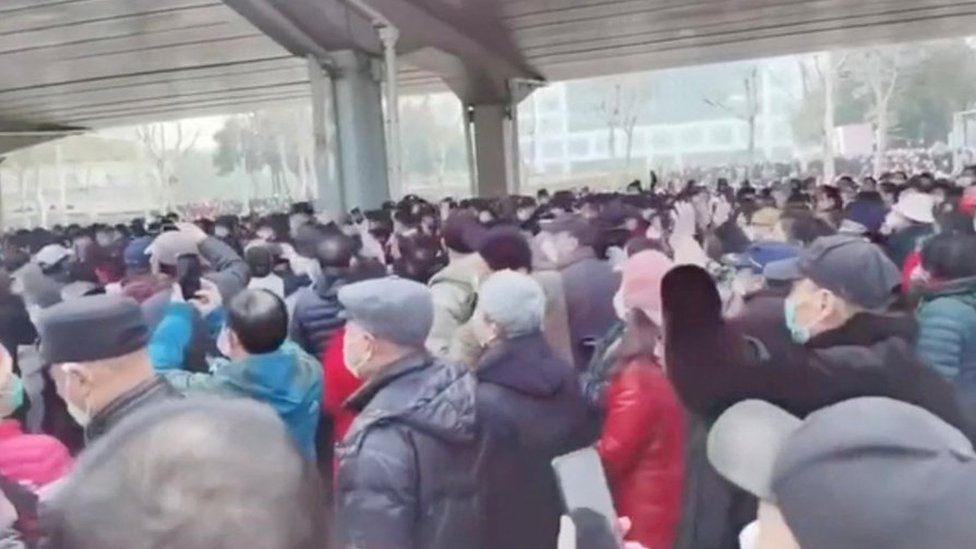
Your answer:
<point x="783" y="365"/>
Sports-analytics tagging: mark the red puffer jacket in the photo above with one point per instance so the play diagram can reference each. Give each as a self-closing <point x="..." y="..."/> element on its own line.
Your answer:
<point x="338" y="385"/>
<point x="642" y="448"/>
<point x="34" y="460"/>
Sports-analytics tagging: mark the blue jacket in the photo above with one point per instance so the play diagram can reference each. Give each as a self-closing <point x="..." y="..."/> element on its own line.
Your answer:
<point x="947" y="328"/>
<point x="288" y="379"/>
<point x="317" y="315"/>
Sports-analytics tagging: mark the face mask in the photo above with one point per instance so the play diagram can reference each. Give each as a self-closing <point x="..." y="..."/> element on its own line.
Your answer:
<point x="221" y="231"/>
<point x="523" y="215"/>
<point x="799" y="333"/>
<point x="549" y="250"/>
<point x="12" y="396"/>
<point x="223" y="342"/>
<point x="355" y="367"/>
<point x="618" y="305"/>
<point x="81" y="416"/>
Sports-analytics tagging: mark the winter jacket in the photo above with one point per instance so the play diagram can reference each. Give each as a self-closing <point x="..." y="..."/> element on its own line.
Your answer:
<point x="34" y="460"/>
<point x="906" y="241"/>
<point x="588" y="286"/>
<point x="465" y="348"/>
<point x="870" y="355"/>
<point x="947" y="337"/>
<point x="410" y="468"/>
<point x="531" y="400"/>
<point x="454" y="291"/>
<point x="642" y="449"/>
<point x="317" y="315"/>
<point x="339" y="384"/>
<point x="147" y="393"/>
<point x="947" y="327"/>
<point x="287" y="379"/>
<point x="16" y="328"/>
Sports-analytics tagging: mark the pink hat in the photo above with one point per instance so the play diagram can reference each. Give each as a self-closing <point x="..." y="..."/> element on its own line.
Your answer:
<point x="640" y="284"/>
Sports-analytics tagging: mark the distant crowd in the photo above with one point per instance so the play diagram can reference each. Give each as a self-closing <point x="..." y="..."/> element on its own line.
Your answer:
<point x="758" y="363"/>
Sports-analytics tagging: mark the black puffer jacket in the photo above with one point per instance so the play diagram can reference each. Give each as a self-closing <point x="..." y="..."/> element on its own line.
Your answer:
<point x="317" y="315"/>
<point x="410" y="467"/>
<point x="531" y="401"/>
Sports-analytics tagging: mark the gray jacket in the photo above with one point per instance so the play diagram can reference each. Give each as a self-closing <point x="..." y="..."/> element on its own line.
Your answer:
<point x="408" y="472"/>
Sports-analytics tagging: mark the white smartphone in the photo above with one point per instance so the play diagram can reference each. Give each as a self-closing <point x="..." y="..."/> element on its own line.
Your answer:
<point x="583" y="485"/>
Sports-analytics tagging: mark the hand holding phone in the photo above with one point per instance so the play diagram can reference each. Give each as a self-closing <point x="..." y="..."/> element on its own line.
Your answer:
<point x="188" y="273"/>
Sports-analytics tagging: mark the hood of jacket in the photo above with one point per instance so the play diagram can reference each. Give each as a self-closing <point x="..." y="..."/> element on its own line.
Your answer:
<point x="284" y="378"/>
<point x="963" y="289"/>
<point x="421" y="392"/>
<point x="525" y="365"/>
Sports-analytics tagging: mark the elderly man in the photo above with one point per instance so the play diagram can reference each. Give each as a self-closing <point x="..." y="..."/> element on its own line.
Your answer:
<point x="97" y="346"/>
<point x="408" y="468"/>
<point x="589" y="283"/>
<point x="193" y="474"/>
<point x="526" y="391"/>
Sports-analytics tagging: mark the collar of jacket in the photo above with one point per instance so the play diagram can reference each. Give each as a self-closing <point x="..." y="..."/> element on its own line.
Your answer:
<point x="866" y="329"/>
<point x="523" y="364"/>
<point x="328" y="283"/>
<point x="152" y="389"/>
<point x="405" y="365"/>
<point x="957" y="286"/>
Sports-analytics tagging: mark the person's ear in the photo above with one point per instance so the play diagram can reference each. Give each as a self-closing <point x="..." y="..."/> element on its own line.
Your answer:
<point x="81" y="377"/>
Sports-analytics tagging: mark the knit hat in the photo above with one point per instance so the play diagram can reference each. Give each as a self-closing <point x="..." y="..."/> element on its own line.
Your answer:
<point x="863" y="216"/>
<point x="171" y="245"/>
<point x="514" y="301"/>
<point x="640" y="282"/>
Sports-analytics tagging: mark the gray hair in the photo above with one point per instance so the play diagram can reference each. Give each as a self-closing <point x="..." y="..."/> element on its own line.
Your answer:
<point x="203" y="473"/>
<point x="514" y="301"/>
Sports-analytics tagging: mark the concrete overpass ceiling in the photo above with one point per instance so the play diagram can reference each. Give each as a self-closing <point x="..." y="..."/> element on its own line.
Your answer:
<point x="582" y="38"/>
<point x="110" y="62"/>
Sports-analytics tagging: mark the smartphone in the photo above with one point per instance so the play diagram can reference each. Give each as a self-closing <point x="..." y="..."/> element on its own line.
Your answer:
<point x="188" y="272"/>
<point x="583" y="485"/>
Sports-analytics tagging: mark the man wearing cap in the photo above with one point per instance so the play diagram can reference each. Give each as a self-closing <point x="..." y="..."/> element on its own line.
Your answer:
<point x="831" y="340"/>
<point x="97" y="346"/>
<point x="566" y="246"/>
<point x="907" y="224"/>
<point x="408" y="473"/>
<point x="867" y="472"/>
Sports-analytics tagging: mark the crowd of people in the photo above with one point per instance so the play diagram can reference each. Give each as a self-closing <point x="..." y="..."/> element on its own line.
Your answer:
<point x="779" y="365"/>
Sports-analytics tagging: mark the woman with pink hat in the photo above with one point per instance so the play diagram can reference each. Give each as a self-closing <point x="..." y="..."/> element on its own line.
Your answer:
<point x="642" y="440"/>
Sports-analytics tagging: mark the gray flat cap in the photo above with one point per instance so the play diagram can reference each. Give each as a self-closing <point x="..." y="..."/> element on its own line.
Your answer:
<point x="394" y="309"/>
<point x="91" y="328"/>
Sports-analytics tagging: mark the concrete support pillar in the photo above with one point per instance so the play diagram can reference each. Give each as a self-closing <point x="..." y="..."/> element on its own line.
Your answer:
<point x="496" y="150"/>
<point x="357" y="96"/>
<point x="328" y="190"/>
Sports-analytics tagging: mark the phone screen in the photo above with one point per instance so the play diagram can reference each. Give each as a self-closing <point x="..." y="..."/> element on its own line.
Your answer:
<point x="188" y="272"/>
<point x="583" y="484"/>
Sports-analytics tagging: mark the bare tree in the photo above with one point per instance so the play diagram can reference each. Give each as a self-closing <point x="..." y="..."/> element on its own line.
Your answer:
<point x="877" y="72"/>
<point x="165" y="151"/>
<point x="828" y="65"/>
<point x="620" y="112"/>
<point x="748" y="112"/>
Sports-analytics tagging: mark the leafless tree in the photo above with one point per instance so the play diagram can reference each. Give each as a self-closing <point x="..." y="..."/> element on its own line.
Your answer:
<point x="164" y="151"/>
<point x="749" y="111"/>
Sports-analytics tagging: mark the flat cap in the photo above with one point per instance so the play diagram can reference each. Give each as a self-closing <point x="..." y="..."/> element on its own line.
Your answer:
<point x="394" y="309"/>
<point x="171" y="245"/>
<point x="849" y="266"/>
<point x="92" y="328"/>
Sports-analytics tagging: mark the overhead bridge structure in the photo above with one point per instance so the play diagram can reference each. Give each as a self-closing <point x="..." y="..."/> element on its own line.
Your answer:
<point x="68" y="66"/>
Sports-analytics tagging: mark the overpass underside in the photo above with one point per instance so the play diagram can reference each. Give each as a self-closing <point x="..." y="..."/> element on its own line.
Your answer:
<point x="72" y="65"/>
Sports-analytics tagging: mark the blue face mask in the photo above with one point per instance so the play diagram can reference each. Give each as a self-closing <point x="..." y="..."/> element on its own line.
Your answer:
<point x="799" y="334"/>
<point x="12" y="397"/>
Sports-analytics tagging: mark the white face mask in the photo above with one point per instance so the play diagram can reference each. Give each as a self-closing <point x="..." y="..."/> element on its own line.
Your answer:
<point x="355" y="368"/>
<point x="82" y="416"/>
<point x="223" y="342"/>
<point x="618" y="305"/>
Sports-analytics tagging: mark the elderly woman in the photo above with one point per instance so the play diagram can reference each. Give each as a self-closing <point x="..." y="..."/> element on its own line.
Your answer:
<point x="532" y="399"/>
